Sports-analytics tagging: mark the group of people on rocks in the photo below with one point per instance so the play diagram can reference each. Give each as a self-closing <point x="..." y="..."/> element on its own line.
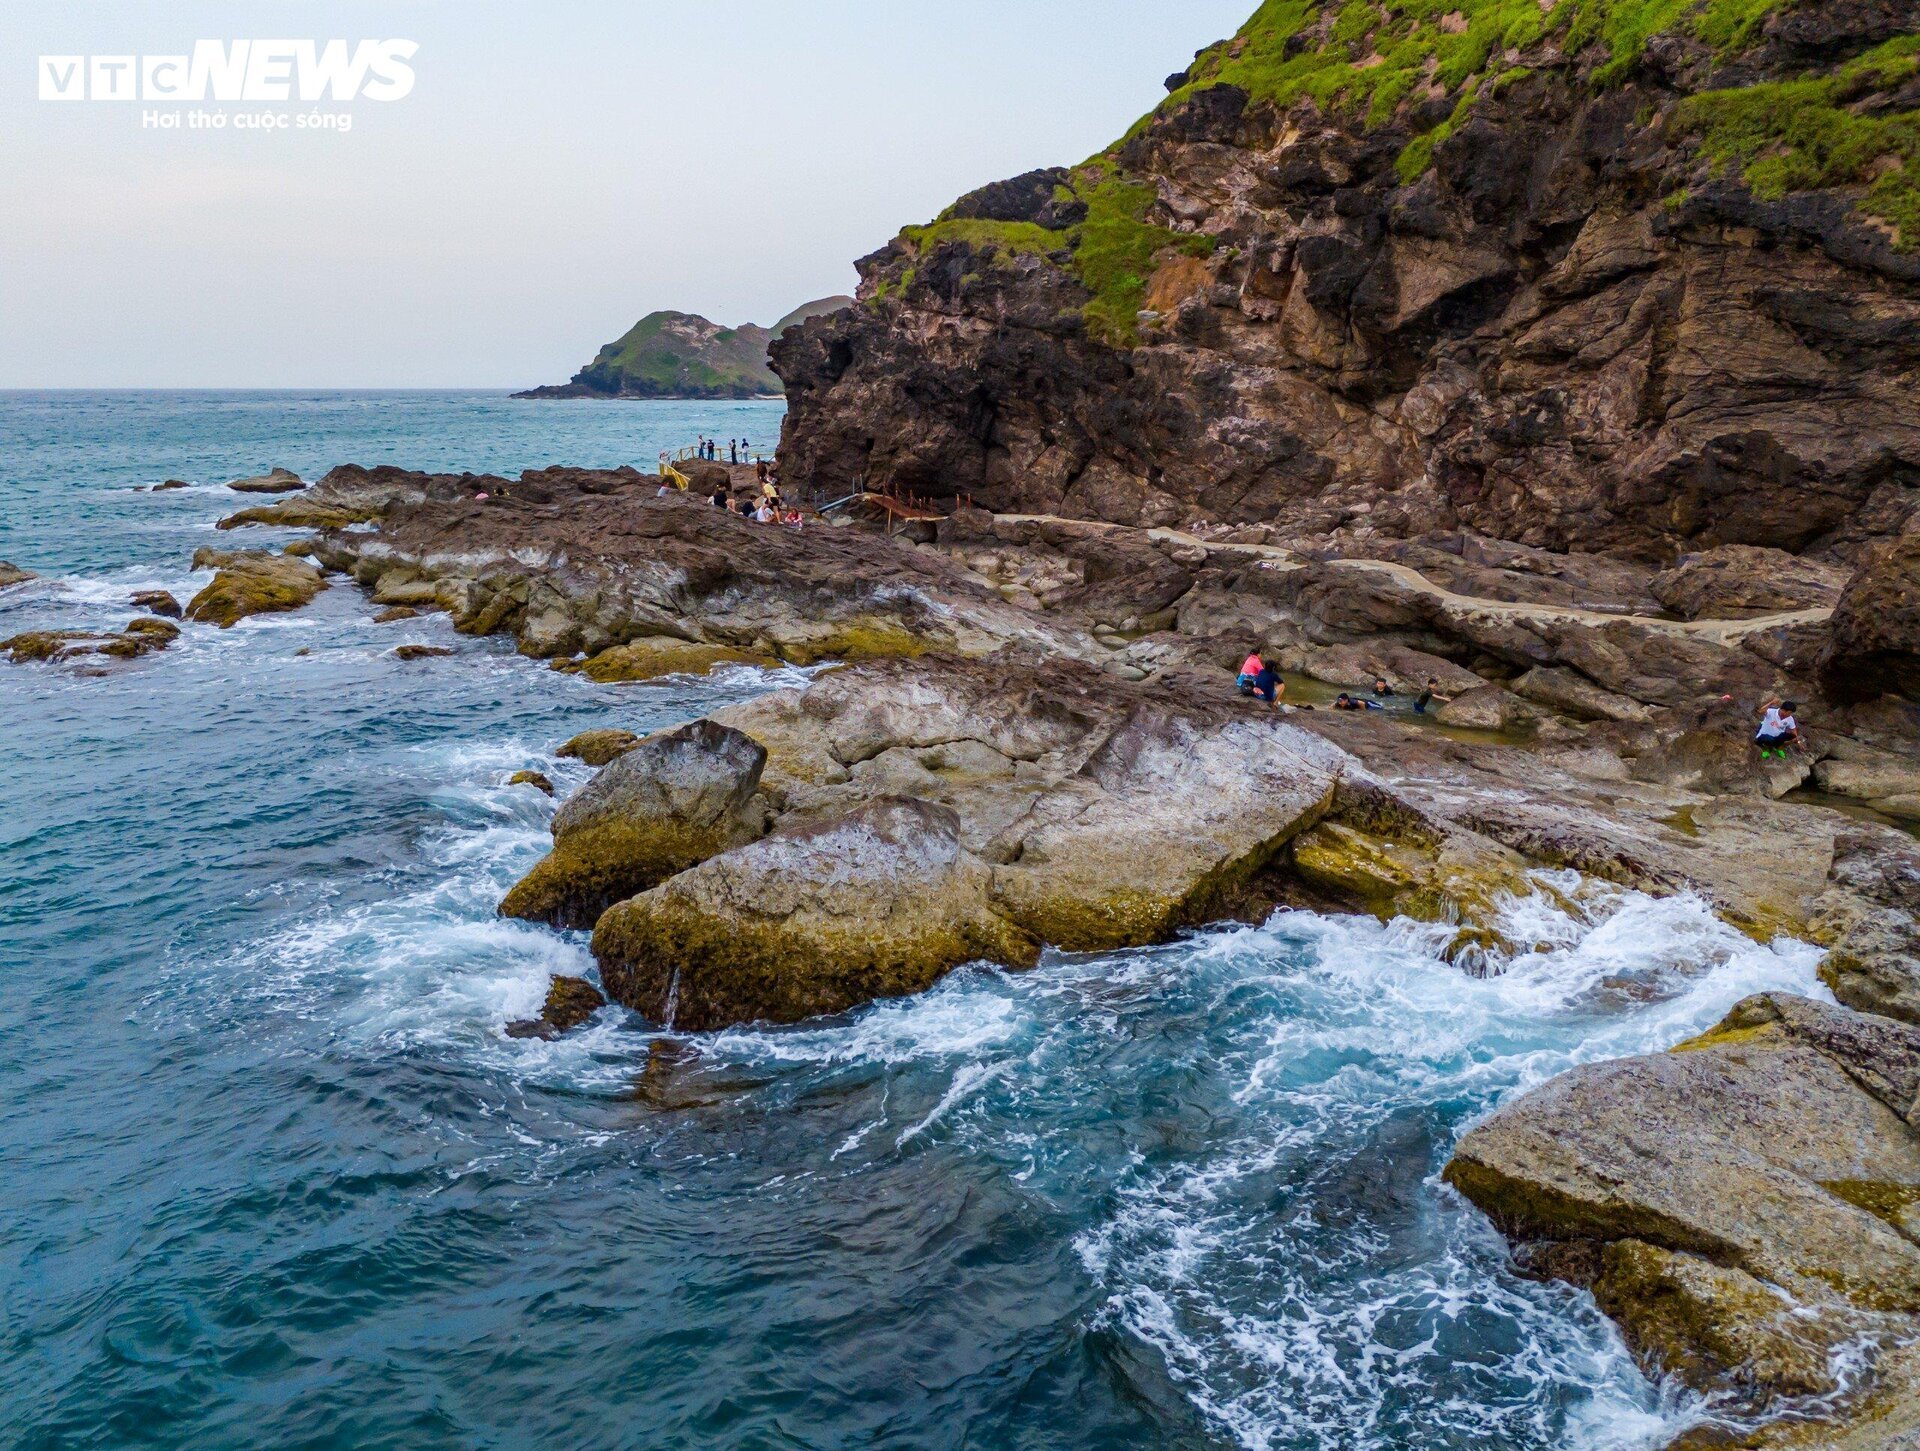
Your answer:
<point x="1259" y="679"/>
<point x="765" y="508"/>
<point x="709" y="449"/>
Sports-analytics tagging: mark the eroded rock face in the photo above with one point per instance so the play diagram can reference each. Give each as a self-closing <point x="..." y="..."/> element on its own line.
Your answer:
<point x="818" y="917"/>
<point x="1734" y="581"/>
<point x="1753" y="1196"/>
<point x="587" y="563"/>
<point x="251" y="583"/>
<point x="665" y="804"/>
<point x="1520" y="340"/>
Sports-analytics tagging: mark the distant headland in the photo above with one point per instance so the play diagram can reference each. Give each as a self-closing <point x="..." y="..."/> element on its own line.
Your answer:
<point x="682" y="355"/>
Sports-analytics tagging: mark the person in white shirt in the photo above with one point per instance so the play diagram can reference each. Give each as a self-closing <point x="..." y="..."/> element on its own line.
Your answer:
<point x="1778" y="729"/>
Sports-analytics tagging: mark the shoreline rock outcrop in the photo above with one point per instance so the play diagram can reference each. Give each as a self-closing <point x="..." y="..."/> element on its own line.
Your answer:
<point x="1744" y="1206"/>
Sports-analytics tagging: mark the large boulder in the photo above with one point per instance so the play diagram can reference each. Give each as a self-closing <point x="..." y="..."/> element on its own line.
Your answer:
<point x="672" y="801"/>
<point x="1739" y="581"/>
<point x="251" y="583"/>
<point x="1875" y="647"/>
<point x="1167" y="819"/>
<point x="818" y="917"/>
<point x="1742" y="1205"/>
<point x="278" y="481"/>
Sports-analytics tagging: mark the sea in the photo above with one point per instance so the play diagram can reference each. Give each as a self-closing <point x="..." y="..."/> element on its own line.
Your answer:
<point x="272" y="1176"/>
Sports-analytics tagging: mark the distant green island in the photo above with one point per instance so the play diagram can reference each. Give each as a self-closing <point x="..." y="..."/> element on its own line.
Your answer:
<point x="682" y="355"/>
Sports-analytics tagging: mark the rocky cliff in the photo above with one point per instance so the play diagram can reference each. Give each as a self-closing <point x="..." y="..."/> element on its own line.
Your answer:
<point x="680" y="355"/>
<point x="1634" y="276"/>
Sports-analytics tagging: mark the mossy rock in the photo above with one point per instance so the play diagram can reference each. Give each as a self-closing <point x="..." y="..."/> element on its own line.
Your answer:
<point x="36" y="646"/>
<point x="661" y="806"/>
<point x="850" y="643"/>
<point x="535" y="779"/>
<point x="1715" y="1326"/>
<point x="652" y="658"/>
<point x="421" y="652"/>
<point x="816" y="919"/>
<point x="247" y="584"/>
<point x="597" y="748"/>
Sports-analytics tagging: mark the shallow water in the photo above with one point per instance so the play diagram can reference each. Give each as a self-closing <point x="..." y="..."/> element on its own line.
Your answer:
<point x="272" y="1175"/>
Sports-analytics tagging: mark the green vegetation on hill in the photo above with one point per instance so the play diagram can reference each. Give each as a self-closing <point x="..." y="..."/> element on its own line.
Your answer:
<point x="1375" y="60"/>
<point x="1799" y="135"/>
<point x="1112" y="251"/>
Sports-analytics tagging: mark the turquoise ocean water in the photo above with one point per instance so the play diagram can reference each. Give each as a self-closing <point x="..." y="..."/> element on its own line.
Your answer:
<point x="271" y="1176"/>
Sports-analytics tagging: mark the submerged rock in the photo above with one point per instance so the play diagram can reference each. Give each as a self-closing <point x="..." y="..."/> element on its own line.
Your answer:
<point x="662" y="805"/>
<point x="169" y="485"/>
<point x="251" y="583"/>
<point x="279" y="481"/>
<point x="157" y="602"/>
<point x="396" y="614"/>
<point x="571" y="1003"/>
<point x="421" y="652"/>
<point x="597" y="748"/>
<point x="815" y="919"/>
<point x="1746" y="1203"/>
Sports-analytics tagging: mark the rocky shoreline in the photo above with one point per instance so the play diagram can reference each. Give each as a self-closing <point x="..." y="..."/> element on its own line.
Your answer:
<point x="1030" y="739"/>
<point x="1026" y="737"/>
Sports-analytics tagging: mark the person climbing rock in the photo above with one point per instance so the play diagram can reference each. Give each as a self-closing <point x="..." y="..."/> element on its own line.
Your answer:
<point x="1429" y="695"/>
<point x="1778" y="729"/>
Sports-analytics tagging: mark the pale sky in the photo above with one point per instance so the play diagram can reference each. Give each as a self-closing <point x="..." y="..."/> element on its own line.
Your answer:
<point x="561" y="168"/>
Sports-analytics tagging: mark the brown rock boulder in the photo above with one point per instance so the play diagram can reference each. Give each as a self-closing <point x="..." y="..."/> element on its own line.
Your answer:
<point x="279" y="481"/>
<point x="11" y="574"/>
<point x="1740" y="581"/>
<point x="421" y="652"/>
<point x="1754" y="1194"/>
<point x="665" y="804"/>
<point x="157" y="602"/>
<point x="1875" y="647"/>
<point x="535" y="779"/>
